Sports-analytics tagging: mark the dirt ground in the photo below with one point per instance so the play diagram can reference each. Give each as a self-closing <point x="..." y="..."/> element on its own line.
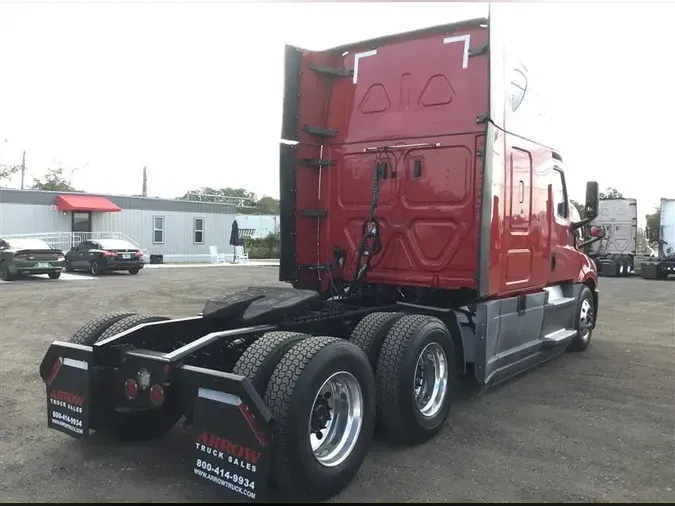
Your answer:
<point x="595" y="426"/>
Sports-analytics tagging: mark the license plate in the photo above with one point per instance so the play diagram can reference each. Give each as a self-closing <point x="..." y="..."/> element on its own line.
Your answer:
<point x="126" y="256"/>
<point x="68" y="397"/>
<point x="228" y="453"/>
<point x="43" y="265"/>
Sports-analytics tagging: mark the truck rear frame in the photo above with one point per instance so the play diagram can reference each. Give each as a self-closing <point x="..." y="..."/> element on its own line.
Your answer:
<point x="282" y="387"/>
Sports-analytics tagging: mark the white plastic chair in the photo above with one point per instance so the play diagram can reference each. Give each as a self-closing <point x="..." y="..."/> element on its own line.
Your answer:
<point x="216" y="257"/>
<point x="240" y="255"/>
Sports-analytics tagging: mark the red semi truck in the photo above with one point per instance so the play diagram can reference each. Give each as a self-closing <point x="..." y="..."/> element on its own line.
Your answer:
<point x="426" y="234"/>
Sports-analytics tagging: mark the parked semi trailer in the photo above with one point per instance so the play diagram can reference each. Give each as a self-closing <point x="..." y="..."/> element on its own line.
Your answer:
<point x="425" y="234"/>
<point x="664" y="264"/>
<point x="614" y="254"/>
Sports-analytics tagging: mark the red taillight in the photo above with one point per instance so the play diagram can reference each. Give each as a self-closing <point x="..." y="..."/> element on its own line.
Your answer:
<point x="138" y="254"/>
<point x="131" y="389"/>
<point x="109" y="254"/>
<point x="157" y="395"/>
<point x="596" y="231"/>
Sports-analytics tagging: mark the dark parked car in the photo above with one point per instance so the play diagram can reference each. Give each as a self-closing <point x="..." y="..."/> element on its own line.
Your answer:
<point x="102" y="255"/>
<point x="29" y="256"/>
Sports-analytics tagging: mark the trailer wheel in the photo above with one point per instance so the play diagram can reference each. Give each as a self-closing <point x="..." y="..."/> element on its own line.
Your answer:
<point x="259" y="360"/>
<point x="140" y="425"/>
<point x="371" y="331"/>
<point x="416" y="371"/>
<point x="584" y="322"/>
<point x="322" y="395"/>
<point x="89" y="333"/>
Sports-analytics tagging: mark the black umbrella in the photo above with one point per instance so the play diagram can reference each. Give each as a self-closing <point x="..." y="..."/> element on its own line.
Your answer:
<point x="234" y="235"/>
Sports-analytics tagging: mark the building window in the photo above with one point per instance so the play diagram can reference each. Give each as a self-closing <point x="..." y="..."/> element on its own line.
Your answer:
<point x="158" y="229"/>
<point x="198" y="236"/>
<point x="560" y="194"/>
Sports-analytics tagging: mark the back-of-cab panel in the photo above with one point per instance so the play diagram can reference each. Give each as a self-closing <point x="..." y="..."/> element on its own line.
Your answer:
<point x="462" y="201"/>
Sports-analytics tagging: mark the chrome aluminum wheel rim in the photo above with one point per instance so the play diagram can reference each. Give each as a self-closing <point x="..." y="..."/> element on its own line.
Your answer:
<point x="336" y="419"/>
<point x="585" y="320"/>
<point x="431" y="380"/>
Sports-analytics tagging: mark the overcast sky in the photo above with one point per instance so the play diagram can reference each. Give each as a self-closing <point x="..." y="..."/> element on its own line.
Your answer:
<point x="195" y="91"/>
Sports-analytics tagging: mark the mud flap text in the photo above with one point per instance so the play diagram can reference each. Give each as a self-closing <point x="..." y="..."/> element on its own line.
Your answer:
<point x="229" y="451"/>
<point x="68" y="397"/>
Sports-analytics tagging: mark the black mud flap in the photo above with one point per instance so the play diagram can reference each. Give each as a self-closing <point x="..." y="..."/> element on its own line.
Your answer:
<point x="231" y="427"/>
<point x="66" y="373"/>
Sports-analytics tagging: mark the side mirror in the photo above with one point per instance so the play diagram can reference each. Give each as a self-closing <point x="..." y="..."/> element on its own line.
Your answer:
<point x="592" y="200"/>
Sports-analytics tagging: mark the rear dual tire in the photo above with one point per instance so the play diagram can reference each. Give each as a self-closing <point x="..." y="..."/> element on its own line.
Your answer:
<point x="415" y="370"/>
<point x="321" y="392"/>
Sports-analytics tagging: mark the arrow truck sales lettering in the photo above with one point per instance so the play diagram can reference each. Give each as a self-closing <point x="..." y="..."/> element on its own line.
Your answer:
<point x="237" y="454"/>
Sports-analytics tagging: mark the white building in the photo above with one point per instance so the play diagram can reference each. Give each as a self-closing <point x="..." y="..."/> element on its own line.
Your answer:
<point x="179" y="230"/>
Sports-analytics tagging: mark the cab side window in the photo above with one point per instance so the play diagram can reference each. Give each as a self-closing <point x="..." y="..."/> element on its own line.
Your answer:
<point x="560" y="204"/>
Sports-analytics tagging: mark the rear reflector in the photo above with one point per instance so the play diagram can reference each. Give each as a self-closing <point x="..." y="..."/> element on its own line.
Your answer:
<point x="55" y="370"/>
<point x="130" y="389"/>
<point x="157" y="395"/>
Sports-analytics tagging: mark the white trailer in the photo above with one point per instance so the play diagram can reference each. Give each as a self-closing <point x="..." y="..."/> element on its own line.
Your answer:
<point x="664" y="264"/>
<point x="614" y="255"/>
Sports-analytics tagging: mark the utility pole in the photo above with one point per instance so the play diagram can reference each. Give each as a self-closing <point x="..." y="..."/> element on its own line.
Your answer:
<point x="145" y="181"/>
<point x="23" y="169"/>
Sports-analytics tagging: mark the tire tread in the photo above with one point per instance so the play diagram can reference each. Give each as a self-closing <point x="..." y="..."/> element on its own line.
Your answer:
<point x="129" y="322"/>
<point x="278" y="397"/>
<point x="252" y="359"/>
<point x="91" y="331"/>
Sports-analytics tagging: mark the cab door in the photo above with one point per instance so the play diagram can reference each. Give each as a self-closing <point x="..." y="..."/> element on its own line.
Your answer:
<point x="564" y="262"/>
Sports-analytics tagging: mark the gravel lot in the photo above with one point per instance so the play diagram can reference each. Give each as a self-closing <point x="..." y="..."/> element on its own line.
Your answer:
<point x="596" y="426"/>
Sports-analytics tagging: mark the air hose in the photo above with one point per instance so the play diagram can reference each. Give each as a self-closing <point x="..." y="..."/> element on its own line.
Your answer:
<point x="371" y="243"/>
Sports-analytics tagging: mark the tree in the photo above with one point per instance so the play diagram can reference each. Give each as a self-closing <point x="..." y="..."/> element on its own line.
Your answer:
<point x="267" y="205"/>
<point x="653" y="229"/>
<point x="7" y="171"/>
<point x="54" y="180"/>
<point x="611" y="193"/>
<point x="581" y="209"/>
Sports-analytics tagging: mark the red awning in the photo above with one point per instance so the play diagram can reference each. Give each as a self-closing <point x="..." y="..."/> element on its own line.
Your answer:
<point x="85" y="203"/>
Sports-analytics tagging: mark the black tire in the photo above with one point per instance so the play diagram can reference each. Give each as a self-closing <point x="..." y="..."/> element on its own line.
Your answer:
<point x="261" y="358"/>
<point x="290" y="395"/>
<point x="95" y="268"/>
<point x="370" y="333"/>
<point x="89" y="333"/>
<point x="69" y="266"/>
<point x="54" y="274"/>
<point x="396" y="376"/>
<point x="662" y="273"/>
<point x="5" y="272"/>
<point x="129" y="322"/>
<point x="617" y="265"/>
<point x="141" y="425"/>
<point x="582" y="339"/>
<point x="134" y="270"/>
